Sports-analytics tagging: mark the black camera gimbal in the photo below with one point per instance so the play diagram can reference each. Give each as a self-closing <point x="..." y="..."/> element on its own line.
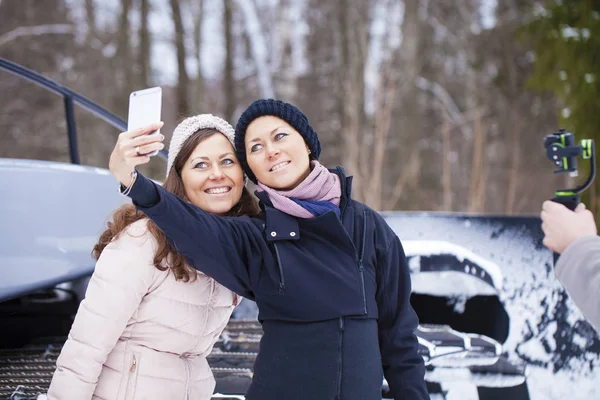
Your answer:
<point x="563" y="152"/>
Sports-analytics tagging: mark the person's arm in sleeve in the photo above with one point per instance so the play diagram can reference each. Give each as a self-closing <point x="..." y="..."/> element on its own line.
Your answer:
<point x="578" y="270"/>
<point x="224" y="248"/>
<point x="123" y="274"/>
<point x="403" y="367"/>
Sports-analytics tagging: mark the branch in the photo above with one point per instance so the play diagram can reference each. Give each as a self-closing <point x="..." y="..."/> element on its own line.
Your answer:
<point x="409" y="175"/>
<point x="258" y="47"/>
<point x="57" y="29"/>
<point x="454" y="113"/>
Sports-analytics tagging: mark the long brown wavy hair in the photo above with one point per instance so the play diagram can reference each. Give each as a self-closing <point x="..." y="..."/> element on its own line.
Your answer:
<point x="126" y="214"/>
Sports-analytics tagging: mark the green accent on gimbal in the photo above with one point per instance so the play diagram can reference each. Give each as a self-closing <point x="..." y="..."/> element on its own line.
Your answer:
<point x="586" y="147"/>
<point x="564" y="194"/>
<point x="565" y="161"/>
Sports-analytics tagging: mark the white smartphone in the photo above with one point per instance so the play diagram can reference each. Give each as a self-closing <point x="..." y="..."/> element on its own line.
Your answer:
<point x="144" y="109"/>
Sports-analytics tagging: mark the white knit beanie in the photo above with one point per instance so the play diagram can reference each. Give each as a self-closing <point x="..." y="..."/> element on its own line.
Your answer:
<point x="191" y="125"/>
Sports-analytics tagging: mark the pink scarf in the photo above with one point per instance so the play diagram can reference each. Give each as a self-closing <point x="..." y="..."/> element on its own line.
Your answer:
<point x="320" y="185"/>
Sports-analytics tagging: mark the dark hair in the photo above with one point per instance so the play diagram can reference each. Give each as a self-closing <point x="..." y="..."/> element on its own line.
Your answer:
<point x="126" y="214"/>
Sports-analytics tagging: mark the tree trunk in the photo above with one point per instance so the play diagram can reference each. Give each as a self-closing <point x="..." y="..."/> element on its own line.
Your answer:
<point x="478" y="171"/>
<point x="408" y="72"/>
<point x="287" y="87"/>
<point x="124" y="65"/>
<point x="258" y="47"/>
<point x="144" y="54"/>
<point x="228" y="78"/>
<point x="198" y="23"/>
<point x="384" y="110"/>
<point x="513" y="178"/>
<point x="352" y="98"/>
<point x="90" y="14"/>
<point x="446" y="166"/>
<point x="183" y="82"/>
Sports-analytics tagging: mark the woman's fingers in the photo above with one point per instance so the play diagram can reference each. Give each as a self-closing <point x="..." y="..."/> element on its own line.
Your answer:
<point x="143" y="150"/>
<point x="131" y="150"/>
<point x="146" y="139"/>
<point x="141" y="131"/>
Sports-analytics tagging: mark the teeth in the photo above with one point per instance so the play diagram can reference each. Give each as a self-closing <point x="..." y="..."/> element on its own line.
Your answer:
<point x="281" y="164"/>
<point x="218" y="190"/>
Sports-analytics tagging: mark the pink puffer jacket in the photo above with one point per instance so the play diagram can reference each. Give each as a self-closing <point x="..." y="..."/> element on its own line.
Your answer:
<point x="139" y="333"/>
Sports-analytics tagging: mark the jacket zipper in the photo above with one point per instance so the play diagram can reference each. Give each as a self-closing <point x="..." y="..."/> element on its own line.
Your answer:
<point x="361" y="269"/>
<point x="281" y="278"/>
<point x="133" y="365"/>
<point x="130" y="388"/>
<point x="359" y="257"/>
<point x="340" y="360"/>
<point x="187" y="378"/>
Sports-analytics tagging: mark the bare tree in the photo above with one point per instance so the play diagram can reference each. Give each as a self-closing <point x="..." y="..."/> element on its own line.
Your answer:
<point x="258" y="47"/>
<point x="197" y="7"/>
<point x="90" y="17"/>
<point x="144" y="53"/>
<point x="353" y="47"/>
<point x="384" y="107"/>
<point x="183" y="82"/>
<point x="288" y="19"/>
<point x="441" y="120"/>
<point x="37" y="30"/>
<point x="407" y="71"/>
<point x="478" y="170"/>
<point x="123" y="59"/>
<point x="446" y="167"/>
<point x="228" y="77"/>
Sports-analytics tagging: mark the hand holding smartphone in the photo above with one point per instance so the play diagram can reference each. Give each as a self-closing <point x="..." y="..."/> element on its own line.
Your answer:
<point x="144" y="109"/>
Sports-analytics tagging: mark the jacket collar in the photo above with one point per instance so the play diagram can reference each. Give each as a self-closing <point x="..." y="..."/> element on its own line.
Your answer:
<point x="281" y="226"/>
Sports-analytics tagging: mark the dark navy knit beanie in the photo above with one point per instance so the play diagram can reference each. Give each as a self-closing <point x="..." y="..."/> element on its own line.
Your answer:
<point x="277" y="108"/>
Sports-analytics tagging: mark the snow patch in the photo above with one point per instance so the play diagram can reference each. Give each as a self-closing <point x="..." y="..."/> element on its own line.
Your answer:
<point x="438" y="247"/>
<point x="450" y="284"/>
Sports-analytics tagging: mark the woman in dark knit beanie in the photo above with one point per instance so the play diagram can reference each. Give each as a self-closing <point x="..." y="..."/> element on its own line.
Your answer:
<point x="328" y="274"/>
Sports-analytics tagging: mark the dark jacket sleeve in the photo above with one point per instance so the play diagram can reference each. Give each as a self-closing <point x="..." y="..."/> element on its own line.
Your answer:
<point x="403" y="367"/>
<point x="228" y="249"/>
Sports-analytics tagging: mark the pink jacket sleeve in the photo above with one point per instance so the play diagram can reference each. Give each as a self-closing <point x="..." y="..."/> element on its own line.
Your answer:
<point x="123" y="274"/>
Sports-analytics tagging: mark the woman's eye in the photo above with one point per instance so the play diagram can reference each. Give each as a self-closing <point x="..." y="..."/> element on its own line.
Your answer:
<point x="255" y="148"/>
<point x="227" y="161"/>
<point x="200" y="165"/>
<point x="280" y="136"/>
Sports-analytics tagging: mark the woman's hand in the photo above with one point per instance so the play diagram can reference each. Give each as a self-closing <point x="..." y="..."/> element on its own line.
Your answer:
<point x="131" y="150"/>
<point x="562" y="226"/>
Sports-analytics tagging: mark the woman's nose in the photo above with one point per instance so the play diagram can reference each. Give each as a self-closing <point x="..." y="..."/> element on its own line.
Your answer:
<point x="216" y="172"/>
<point x="272" y="151"/>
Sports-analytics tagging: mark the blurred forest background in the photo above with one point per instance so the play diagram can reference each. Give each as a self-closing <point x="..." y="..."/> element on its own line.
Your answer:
<point x="437" y="105"/>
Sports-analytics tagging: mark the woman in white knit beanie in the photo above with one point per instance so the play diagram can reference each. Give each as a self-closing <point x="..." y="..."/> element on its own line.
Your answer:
<point x="148" y="320"/>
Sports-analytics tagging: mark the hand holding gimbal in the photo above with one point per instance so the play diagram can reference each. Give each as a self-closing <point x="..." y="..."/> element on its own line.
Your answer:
<point x="563" y="152"/>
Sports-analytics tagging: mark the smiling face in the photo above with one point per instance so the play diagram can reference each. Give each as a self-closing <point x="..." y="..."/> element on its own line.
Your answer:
<point x="212" y="176"/>
<point x="276" y="153"/>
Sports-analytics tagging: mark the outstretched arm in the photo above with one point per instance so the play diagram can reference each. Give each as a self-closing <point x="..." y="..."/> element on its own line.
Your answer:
<point x="230" y="250"/>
